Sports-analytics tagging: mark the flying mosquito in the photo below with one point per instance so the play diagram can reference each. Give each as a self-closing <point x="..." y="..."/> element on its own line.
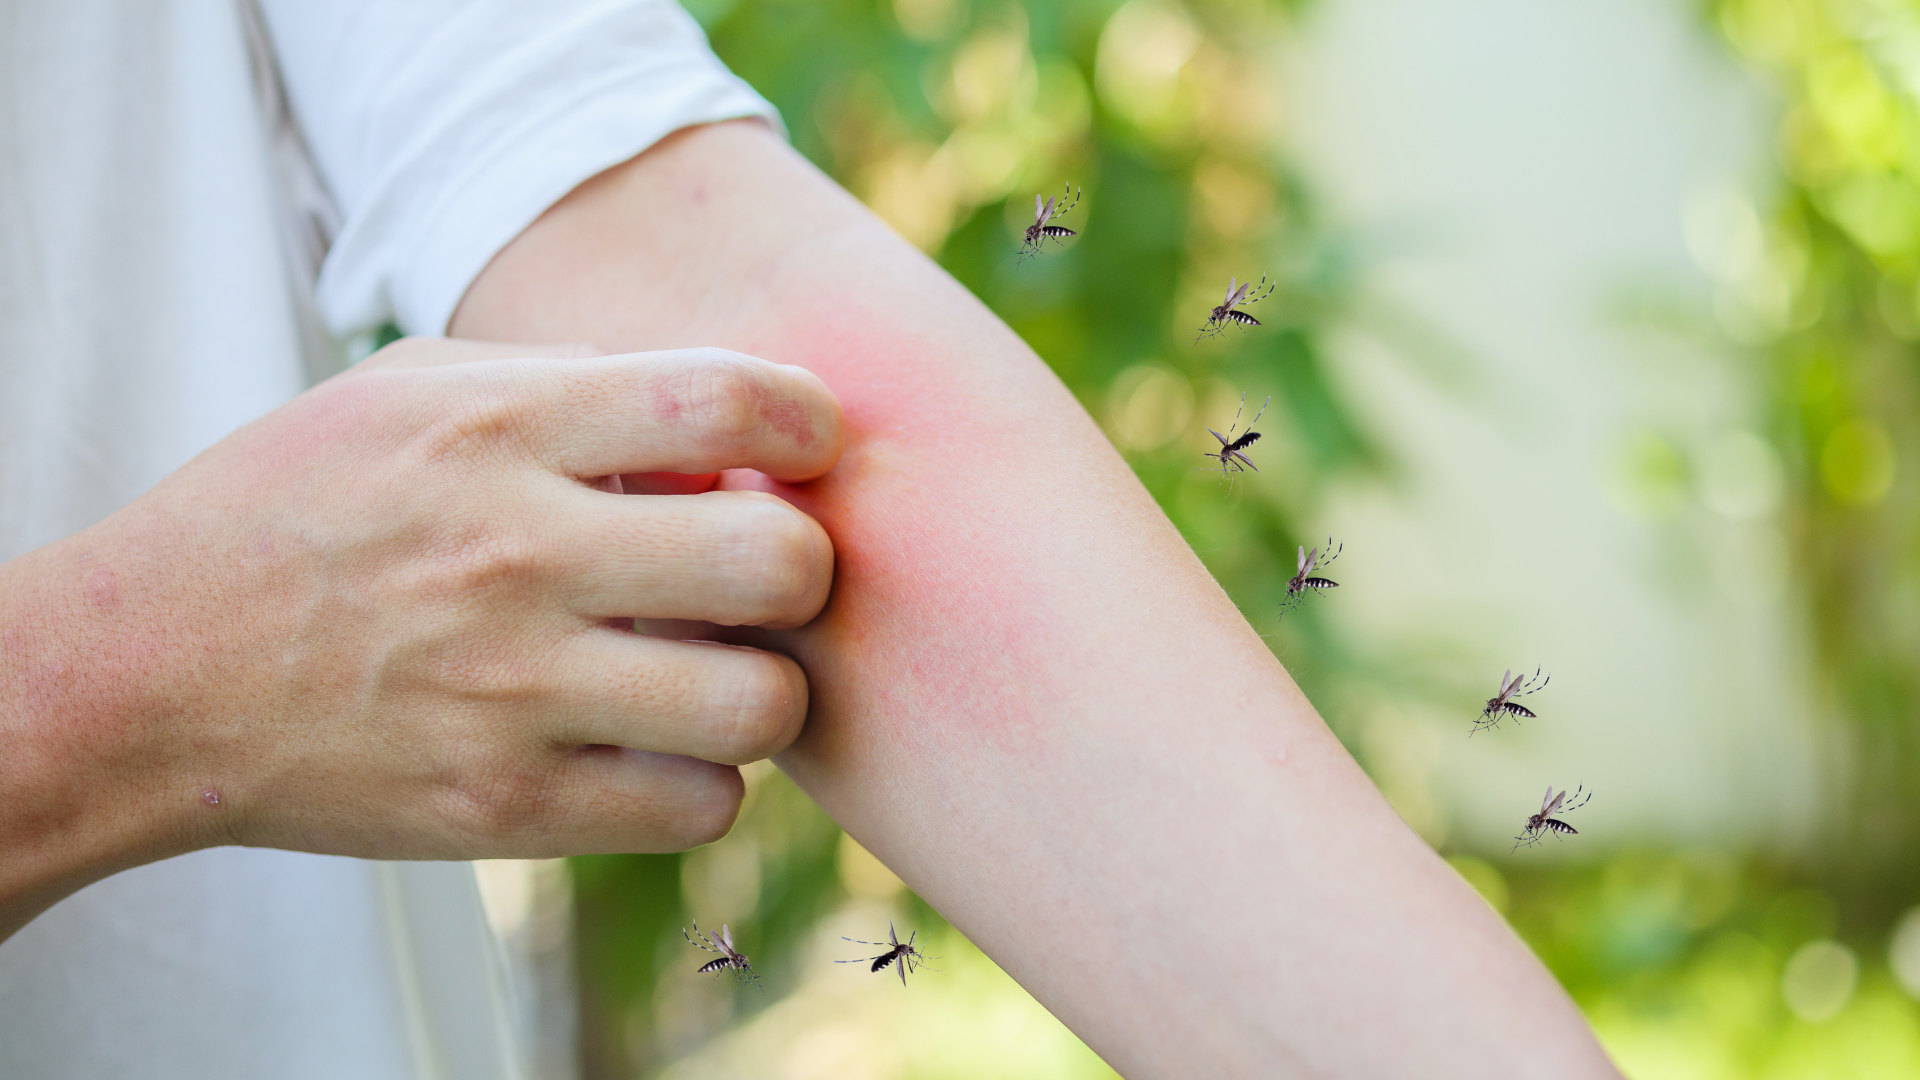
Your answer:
<point x="720" y="941"/>
<point x="1040" y="232"/>
<point x="1542" y="823"/>
<point x="910" y="958"/>
<point x="1230" y="455"/>
<point x="1503" y="703"/>
<point x="1237" y="290"/>
<point x="1303" y="579"/>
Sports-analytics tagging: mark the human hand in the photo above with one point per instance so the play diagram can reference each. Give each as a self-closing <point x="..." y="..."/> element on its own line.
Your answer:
<point x="382" y="621"/>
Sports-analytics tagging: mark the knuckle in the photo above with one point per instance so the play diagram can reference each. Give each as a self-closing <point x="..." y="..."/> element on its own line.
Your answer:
<point x="477" y="415"/>
<point x="724" y="394"/>
<point x="781" y="557"/>
<point x="495" y="558"/>
<point x="509" y="802"/>
<point x="761" y="705"/>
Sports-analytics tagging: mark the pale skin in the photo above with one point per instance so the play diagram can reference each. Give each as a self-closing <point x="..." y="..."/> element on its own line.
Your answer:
<point x="1026" y="695"/>
<point x="1029" y="697"/>
<point x="380" y="622"/>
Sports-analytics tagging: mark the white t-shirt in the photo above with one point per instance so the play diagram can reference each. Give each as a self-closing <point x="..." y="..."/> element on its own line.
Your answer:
<point x="173" y="173"/>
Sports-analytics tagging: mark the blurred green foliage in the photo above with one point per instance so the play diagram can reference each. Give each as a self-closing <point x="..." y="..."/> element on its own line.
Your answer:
<point x="948" y="116"/>
<point x="1828" y="298"/>
<point x="1700" y="964"/>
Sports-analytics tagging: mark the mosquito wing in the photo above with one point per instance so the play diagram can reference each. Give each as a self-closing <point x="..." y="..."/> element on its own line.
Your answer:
<point x="726" y="935"/>
<point x="1555" y="804"/>
<point x="1217" y="435"/>
<point x="1302" y="565"/>
<point x="1238" y="294"/>
<point x="1242" y="459"/>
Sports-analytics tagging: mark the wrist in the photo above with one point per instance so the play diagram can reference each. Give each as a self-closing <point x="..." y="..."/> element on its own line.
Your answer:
<point x="77" y="804"/>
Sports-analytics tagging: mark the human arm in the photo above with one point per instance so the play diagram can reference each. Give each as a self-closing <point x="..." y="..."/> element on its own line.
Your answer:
<point x="1029" y="697"/>
<point x="374" y="623"/>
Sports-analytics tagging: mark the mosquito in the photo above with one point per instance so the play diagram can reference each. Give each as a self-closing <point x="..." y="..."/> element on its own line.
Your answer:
<point x="1040" y="232"/>
<point x="910" y="958"/>
<point x="1303" y="578"/>
<point x="1503" y="703"/>
<point x="1542" y="823"/>
<point x="1230" y="455"/>
<point x="1237" y="290"/>
<point x="720" y="941"/>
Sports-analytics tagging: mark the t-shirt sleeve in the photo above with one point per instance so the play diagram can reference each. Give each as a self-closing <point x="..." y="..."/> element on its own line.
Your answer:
<point x="445" y="127"/>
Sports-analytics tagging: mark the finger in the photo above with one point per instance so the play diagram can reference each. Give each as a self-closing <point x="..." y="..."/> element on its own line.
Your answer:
<point x="735" y="558"/>
<point x="691" y="411"/>
<point x="722" y="703"/>
<point x="598" y="799"/>
<point x="611" y="800"/>
<point x="421" y="352"/>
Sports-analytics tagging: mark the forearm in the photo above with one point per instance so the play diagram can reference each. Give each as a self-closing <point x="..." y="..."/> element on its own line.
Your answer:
<point x="1029" y="698"/>
<point x="74" y="647"/>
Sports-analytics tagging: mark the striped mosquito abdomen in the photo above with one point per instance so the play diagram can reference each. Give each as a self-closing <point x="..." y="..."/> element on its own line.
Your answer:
<point x="1044" y="211"/>
<point x="1304" y="580"/>
<point x="1503" y="704"/>
<point x="1237" y="294"/>
<point x="903" y="951"/>
<point x="721" y="942"/>
<point x="1231" y="454"/>
<point x="1544" y="821"/>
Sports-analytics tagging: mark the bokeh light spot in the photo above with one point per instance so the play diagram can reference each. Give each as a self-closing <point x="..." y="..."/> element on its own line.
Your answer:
<point x="1857" y="462"/>
<point x="1819" y="980"/>
<point x="1149" y="406"/>
<point x="1903" y="952"/>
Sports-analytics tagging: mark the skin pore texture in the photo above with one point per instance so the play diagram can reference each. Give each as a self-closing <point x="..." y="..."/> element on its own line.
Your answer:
<point x="1028" y="697"/>
<point x="384" y="621"/>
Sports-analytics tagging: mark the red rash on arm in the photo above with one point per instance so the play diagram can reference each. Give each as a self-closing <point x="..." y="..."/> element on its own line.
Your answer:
<point x="1028" y="697"/>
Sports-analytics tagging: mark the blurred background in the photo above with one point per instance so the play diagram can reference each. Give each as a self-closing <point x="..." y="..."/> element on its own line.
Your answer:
<point x="1596" y="341"/>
